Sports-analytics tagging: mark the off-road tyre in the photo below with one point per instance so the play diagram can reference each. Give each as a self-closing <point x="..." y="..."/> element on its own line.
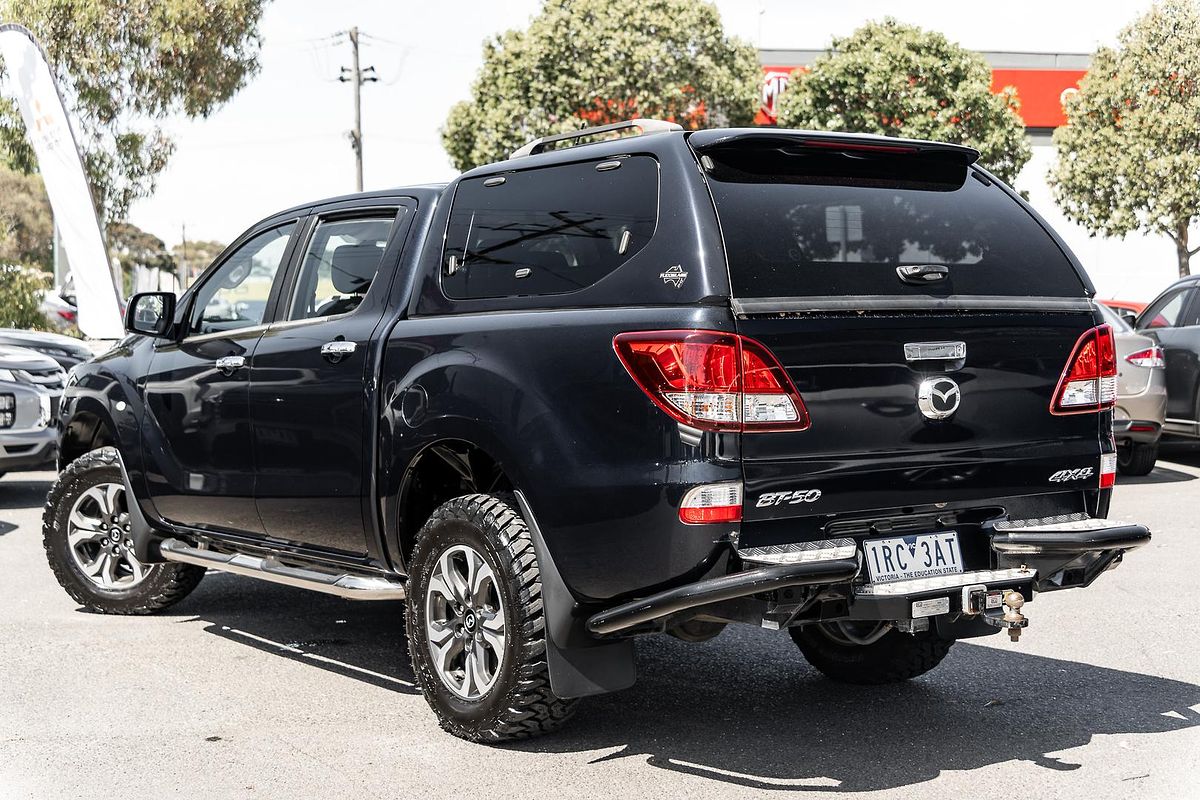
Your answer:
<point x="893" y="658"/>
<point x="1137" y="458"/>
<point x="164" y="584"/>
<point x="520" y="703"/>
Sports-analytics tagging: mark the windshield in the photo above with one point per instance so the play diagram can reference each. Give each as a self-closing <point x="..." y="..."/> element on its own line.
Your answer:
<point x="803" y="223"/>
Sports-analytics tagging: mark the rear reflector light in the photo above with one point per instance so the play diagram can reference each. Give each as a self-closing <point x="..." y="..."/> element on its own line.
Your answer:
<point x="1089" y="381"/>
<point x="1108" y="470"/>
<point x="714" y="502"/>
<point x="1151" y="357"/>
<point x="712" y="380"/>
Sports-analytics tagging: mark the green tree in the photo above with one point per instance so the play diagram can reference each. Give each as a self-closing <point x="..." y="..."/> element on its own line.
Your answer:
<point x="899" y="80"/>
<point x="592" y="62"/>
<point x="21" y="297"/>
<point x="135" y="249"/>
<point x="26" y="224"/>
<point x="193" y="256"/>
<point x="122" y="66"/>
<point x="1129" y="155"/>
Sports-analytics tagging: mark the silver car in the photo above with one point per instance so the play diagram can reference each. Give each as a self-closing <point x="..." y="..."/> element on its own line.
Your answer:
<point x="31" y="387"/>
<point x="1141" y="397"/>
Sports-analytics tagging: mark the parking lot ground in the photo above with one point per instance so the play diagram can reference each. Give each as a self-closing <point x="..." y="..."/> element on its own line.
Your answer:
<point x="252" y="690"/>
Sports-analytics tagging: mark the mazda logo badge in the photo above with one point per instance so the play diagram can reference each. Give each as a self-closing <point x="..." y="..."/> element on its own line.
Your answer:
<point x="938" y="398"/>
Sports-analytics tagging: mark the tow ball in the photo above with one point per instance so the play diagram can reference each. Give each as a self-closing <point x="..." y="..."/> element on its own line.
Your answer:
<point x="979" y="600"/>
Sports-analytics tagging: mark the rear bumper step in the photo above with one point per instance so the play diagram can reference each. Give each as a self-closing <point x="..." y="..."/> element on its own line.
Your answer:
<point x="726" y="587"/>
<point x="354" y="587"/>
<point x="1058" y="537"/>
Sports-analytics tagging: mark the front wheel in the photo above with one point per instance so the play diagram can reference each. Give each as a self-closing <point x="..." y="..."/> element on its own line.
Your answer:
<point x="869" y="653"/>
<point x="86" y="535"/>
<point x="476" y="627"/>
<point x="1137" y="458"/>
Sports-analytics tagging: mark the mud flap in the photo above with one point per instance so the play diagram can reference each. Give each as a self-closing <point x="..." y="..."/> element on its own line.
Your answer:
<point x="145" y="538"/>
<point x="580" y="665"/>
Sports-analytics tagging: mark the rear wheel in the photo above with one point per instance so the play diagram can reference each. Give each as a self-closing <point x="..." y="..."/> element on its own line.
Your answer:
<point x="1136" y="458"/>
<point x="476" y="627"/>
<point x="869" y="653"/>
<point x="86" y="535"/>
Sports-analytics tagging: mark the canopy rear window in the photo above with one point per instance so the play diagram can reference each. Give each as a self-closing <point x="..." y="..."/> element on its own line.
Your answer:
<point x="804" y="222"/>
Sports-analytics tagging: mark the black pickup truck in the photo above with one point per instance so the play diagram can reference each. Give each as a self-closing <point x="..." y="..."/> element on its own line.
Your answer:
<point x="851" y="387"/>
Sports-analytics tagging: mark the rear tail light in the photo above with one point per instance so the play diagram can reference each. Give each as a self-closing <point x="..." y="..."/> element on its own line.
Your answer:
<point x="714" y="502"/>
<point x="1108" y="470"/>
<point x="1089" y="381"/>
<point x="713" y="381"/>
<point x="1151" y="357"/>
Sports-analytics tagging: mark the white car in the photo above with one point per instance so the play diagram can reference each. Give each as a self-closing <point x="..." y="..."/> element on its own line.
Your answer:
<point x="31" y="387"/>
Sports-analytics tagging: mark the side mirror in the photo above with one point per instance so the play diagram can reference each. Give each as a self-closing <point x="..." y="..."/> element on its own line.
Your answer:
<point x="1127" y="315"/>
<point x="150" y="313"/>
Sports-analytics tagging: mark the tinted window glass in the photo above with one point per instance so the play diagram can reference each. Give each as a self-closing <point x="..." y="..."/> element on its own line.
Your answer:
<point x="340" y="264"/>
<point x="797" y="222"/>
<point x="235" y="296"/>
<point x="1165" y="313"/>
<point x="549" y="230"/>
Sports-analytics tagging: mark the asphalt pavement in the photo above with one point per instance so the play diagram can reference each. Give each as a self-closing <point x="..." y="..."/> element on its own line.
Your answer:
<point x="251" y="690"/>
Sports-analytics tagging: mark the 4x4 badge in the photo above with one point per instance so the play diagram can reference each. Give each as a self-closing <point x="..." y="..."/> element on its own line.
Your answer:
<point x="675" y="276"/>
<point x="938" y="398"/>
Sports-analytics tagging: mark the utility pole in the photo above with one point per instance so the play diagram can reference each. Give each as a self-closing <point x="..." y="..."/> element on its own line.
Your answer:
<point x="358" y="77"/>
<point x="183" y="268"/>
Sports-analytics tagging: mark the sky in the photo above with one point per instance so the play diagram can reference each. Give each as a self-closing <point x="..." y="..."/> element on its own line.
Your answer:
<point x="283" y="139"/>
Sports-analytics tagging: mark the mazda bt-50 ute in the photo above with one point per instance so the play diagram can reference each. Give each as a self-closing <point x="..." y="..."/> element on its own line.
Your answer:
<point x="848" y="387"/>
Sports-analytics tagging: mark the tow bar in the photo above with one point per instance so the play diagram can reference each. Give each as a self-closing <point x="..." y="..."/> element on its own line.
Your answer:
<point x="978" y="600"/>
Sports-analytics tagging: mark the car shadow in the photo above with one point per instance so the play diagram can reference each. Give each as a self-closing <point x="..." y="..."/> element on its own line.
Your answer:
<point x="1160" y="474"/>
<point x="23" y="493"/>
<point x="745" y="708"/>
<point x="354" y="639"/>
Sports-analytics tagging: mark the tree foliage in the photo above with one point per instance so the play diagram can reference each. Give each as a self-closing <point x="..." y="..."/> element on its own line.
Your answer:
<point x="194" y="256"/>
<point x="899" y="80"/>
<point x="21" y="297"/>
<point x="123" y="65"/>
<point x="26" y="224"/>
<point x="592" y="62"/>
<point x="1129" y="157"/>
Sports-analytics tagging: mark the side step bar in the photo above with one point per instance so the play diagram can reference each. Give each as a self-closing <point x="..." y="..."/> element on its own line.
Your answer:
<point x="726" y="587"/>
<point x="268" y="568"/>
<point x="1065" y="537"/>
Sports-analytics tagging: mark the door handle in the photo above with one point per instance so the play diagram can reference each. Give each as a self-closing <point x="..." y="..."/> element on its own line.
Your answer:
<point x="230" y="364"/>
<point x="337" y="350"/>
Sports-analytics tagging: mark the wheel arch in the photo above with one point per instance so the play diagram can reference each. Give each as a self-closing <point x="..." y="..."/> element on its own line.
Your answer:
<point x="440" y="471"/>
<point x="89" y="427"/>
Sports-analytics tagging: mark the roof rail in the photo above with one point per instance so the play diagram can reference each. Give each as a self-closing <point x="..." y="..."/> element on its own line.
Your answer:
<point x="647" y="125"/>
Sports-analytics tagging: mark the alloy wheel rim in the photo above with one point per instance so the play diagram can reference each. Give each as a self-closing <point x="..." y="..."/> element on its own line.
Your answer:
<point x="464" y="622"/>
<point x="99" y="538"/>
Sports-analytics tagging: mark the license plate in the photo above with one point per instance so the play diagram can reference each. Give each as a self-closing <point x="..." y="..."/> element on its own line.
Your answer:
<point x="922" y="555"/>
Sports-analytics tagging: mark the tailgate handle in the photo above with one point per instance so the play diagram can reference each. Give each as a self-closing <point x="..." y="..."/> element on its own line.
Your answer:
<point x="922" y="273"/>
<point x="935" y="351"/>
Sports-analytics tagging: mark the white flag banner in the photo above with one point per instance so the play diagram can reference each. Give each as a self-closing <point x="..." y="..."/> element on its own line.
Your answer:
<point x="30" y="82"/>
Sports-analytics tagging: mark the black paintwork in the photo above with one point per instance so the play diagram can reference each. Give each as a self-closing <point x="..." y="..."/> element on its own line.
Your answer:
<point x="324" y="462"/>
<point x="1180" y="343"/>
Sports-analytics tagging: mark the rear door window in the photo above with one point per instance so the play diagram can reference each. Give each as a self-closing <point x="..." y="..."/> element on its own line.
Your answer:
<point x="800" y="222"/>
<point x="1167" y="312"/>
<point x="550" y="230"/>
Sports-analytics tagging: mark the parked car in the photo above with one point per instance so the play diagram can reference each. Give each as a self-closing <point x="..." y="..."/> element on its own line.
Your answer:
<point x="1125" y="309"/>
<point x="60" y="312"/>
<point x="1141" y="397"/>
<point x="607" y="389"/>
<point x="31" y="388"/>
<point x="63" y="349"/>
<point x="1172" y="320"/>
